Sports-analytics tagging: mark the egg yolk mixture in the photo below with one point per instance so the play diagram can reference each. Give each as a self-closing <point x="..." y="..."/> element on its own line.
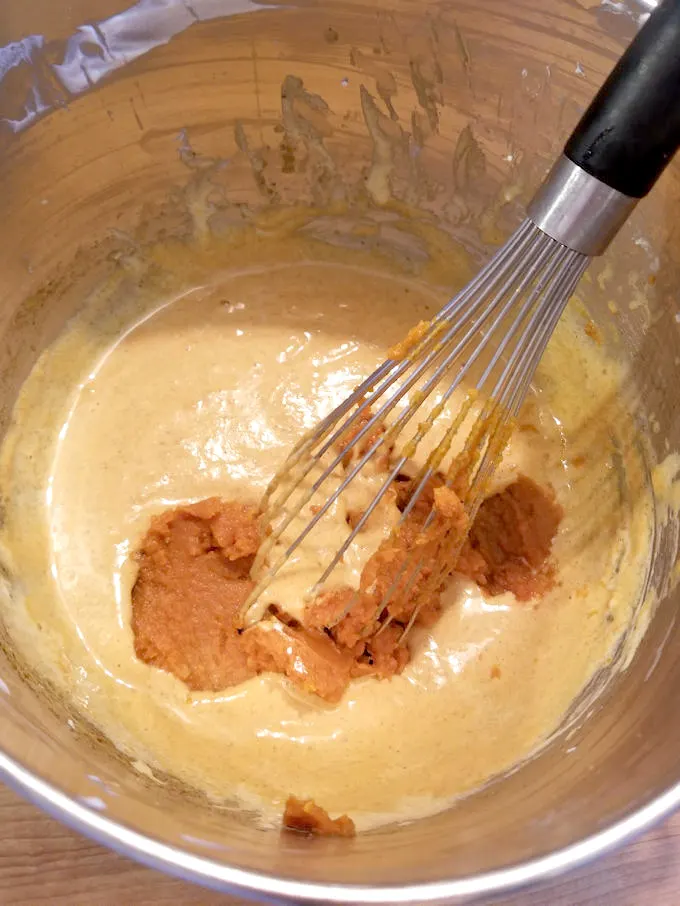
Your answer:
<point x="140" y="448"/>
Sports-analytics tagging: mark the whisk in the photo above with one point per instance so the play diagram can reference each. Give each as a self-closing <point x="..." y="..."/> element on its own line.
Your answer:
<point x="485" y="343"/>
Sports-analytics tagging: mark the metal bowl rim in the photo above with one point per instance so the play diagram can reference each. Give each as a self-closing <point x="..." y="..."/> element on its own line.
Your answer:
<point x="222" y="877"/>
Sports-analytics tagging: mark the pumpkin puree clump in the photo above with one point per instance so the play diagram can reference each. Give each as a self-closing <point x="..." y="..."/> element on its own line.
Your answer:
<point x="194" y="575"/>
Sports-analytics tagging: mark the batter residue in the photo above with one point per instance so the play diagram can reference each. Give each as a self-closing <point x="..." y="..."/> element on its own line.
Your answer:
<point x="160" y="399"/>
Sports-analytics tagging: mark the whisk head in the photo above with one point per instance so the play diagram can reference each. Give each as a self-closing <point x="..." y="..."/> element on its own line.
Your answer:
<point x="377" y="473"/>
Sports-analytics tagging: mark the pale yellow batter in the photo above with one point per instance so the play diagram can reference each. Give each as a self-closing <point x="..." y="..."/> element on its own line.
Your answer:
<point x="173" y="394"/>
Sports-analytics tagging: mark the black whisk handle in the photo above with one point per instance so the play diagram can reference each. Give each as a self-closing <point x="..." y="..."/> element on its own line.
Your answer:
<point x="631" y="130"/>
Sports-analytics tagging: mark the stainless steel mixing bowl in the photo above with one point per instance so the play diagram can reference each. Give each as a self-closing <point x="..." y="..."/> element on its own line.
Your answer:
<point x="114" y="121"/>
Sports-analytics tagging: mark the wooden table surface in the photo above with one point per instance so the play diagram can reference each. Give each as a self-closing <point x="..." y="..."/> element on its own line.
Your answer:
<point x="42" y="862"/>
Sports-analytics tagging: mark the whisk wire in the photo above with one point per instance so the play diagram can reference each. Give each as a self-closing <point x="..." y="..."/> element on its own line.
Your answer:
<point x="512" y="255"/>
<point x="364" y="396"/>
<point x="553" y="283"/>
<point x="507" y="313"/>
